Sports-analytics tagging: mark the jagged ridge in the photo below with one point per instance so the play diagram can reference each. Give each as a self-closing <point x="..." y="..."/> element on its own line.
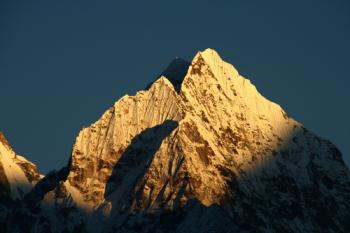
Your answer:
<point x="199" y="144"/>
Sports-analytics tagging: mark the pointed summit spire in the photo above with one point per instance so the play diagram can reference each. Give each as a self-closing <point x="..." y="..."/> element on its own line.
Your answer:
<point x="176" y="72"/>
<point x="4" y="141"/>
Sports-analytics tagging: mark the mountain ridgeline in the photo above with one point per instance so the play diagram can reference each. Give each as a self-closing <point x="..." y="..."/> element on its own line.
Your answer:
<point x="198" y="150"/>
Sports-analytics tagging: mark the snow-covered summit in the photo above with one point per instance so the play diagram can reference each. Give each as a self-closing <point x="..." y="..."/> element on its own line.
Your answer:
<point x="18" y="175"/>
<point x="200" y="150"/>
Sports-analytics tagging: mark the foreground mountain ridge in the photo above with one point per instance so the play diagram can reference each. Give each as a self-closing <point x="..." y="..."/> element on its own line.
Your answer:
<point x="199" y="150"/>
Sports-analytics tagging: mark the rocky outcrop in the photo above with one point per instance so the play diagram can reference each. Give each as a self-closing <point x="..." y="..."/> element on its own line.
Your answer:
<point x="17" y="177"/>
<point x="99" y="147"/>
<point x="199" y="150"/>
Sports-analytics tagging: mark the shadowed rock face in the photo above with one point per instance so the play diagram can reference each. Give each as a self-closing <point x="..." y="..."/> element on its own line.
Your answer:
<point x="132" y="166"/>
<point x="175" y="73"/>
<point x="199" y="151"/>
<point x="5" y="190"/>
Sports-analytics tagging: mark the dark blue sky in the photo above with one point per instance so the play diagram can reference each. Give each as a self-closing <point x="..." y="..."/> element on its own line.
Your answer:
<point x="63" y="63"/>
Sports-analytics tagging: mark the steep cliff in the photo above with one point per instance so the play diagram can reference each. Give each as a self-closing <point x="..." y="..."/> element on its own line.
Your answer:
<point x="17" y="177"/>
<point x="199" y="150"/>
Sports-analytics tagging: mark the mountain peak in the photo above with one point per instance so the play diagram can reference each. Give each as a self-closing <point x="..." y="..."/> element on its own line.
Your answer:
<point x="178" y="68"/>
<point x="163" y="80"/>
<point x="200" y="146"/>
<point x="17" y="175"/>
<point x="210" y="54"/>
<point x="210" y="61"/>
<point x="176" y="71"/>
<point x="4" y="141"/>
